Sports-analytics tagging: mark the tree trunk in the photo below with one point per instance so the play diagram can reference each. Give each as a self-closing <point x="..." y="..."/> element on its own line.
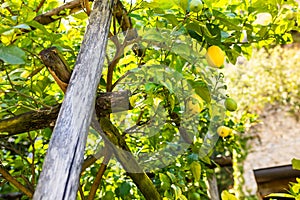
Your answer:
<point x="62" y="165"/>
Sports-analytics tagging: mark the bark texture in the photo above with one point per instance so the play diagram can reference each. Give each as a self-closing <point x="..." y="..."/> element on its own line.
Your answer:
<point x="62" y="165"/>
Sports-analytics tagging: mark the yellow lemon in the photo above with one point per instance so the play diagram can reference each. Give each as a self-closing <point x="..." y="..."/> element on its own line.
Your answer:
<point x="224" y="131"/>
<point x="215" y="56"/>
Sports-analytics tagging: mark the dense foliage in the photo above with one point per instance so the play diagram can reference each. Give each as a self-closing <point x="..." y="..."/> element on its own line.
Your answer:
<point x="172" y="87"/>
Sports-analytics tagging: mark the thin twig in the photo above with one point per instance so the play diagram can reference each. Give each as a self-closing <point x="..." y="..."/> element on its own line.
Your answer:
<point x="6" y="175"/>
<point x="39" y="6"/>
<point x="33" y="157"/>
<point x="119" y="53"/>
<point x="99" y="175"/>
<point x="89" y="161"/>
<point x="81" y="192"/>
<point x="86" y="6"/>
<point x="8" y="8"/>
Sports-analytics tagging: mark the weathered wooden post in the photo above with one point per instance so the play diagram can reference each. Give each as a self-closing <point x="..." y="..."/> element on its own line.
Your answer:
<point x="62" y="165"/>
<point x="213" y="191"/>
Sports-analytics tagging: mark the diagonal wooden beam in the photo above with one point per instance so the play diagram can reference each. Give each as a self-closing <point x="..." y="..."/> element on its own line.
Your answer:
<point x="62" y="165"/>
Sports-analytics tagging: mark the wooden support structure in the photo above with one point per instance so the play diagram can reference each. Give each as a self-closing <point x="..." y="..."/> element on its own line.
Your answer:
<point x="275" y="179"/>
<point x="106" y="103"/>
<point x="62" y="165"/>
<point x="213" y="191"/>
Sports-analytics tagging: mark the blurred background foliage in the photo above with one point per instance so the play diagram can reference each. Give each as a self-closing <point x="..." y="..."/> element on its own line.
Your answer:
<point x="269" y="77"/>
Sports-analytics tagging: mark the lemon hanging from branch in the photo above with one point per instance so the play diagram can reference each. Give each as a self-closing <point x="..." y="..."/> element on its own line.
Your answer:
<point x="224" y="131"/>
<point x="190" y="5"/>
<point x="230" y="104"/>
<point x="215" y="56"/>
<point x="196" y="5"/>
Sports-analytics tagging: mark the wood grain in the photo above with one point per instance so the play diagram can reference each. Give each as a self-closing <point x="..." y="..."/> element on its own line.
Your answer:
<point x="62" y="165"/>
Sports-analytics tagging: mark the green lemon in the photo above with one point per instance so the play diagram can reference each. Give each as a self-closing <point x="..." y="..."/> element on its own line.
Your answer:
<point x="196" y="5"/>
<point x="194" y="196"/>
<point x="230" y="104"/>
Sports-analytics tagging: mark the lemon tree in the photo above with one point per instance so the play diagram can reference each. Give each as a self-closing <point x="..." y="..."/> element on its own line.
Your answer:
<point x="168" y="55"/>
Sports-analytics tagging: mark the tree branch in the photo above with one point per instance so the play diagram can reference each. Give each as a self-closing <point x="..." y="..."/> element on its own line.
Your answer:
<point x="39" y="6"/>
<point x="15" y="182"/>
<point x="112" y="137"/>
<point x="119" y="11"/>
<point x="106" y="103"/>
<point x="91" y="159"/>
<point x="57" y="66"/>
<point x="46" y="18"/>
<point x="99" y="175"/>
<point x="29" y="121"/>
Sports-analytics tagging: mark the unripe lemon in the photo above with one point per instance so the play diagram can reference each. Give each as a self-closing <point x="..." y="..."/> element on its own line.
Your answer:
<point x="215" y="56"/>
<point x="194" y="196"/>
<point x="224" y="131"/>
<point x="196" y="5"/>
<point x="230" y="104"/>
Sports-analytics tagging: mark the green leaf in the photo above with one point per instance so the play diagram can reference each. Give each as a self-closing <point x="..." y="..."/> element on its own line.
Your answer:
<point x="214" y="36"/>
<point x="195" y="35"/>
<point x="280" y="195"/>
<point x="296" y="164"/>
<point x="125" y="189"/>
<point x="201" y="89"/>
<point x="39" y="26"/>
<point x="80" y="15"/>
<point x="232" y="55"/>
<point x="23" y="26"/>
<point x="12" y="54"/>
<point x="162" y="4"/>
<point x="165" y="181"/>
<point x="153" y="35"/>
<point x="225" y="195"/>
<point x="150" y="87"/>
<point x="172" y="177"/>
<point x="177" y="191"/>
<point x="201" y="29"/>
<point x="295" y="188"/>
<point x="231" y="22"/>
<point x="171" y="18"/>
<point x="182" y="197"/>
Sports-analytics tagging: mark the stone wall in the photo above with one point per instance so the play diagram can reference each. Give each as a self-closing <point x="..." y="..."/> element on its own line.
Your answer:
<point x="276" y="141"/>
